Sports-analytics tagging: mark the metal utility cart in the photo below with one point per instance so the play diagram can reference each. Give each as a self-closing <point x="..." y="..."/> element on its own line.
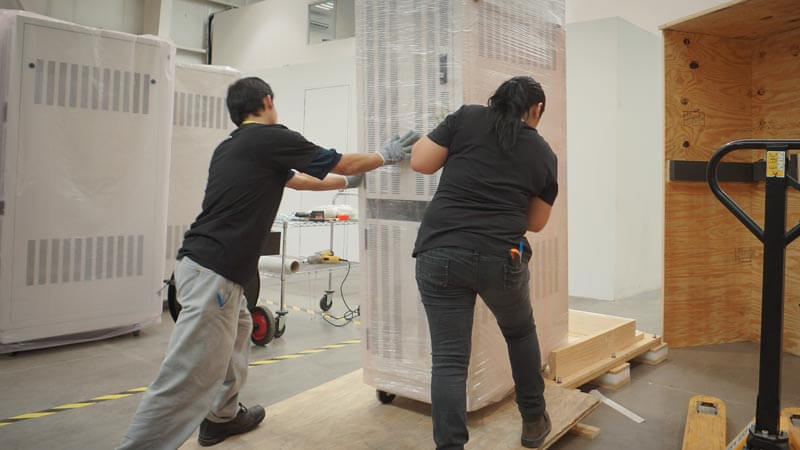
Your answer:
<point x="266" y="324"/>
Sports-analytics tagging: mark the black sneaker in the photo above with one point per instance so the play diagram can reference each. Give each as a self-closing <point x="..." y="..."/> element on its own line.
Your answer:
<point x="246" y="419"/>
<point x="534" y="432"/>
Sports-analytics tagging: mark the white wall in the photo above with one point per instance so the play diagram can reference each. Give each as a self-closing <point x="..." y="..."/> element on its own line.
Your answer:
<point x="315" y="94"/>
<point x="273" y="33"/>
<point x="185" y="22"/>
<point x="640" y="154"/>
<point x="615" y="79"/>
<point x="119" y="15"/>
<point x="189" y="26"/>
<point x="646" y="14"/>
<point x="592" y="71"/>
<point x="614" y="129"/>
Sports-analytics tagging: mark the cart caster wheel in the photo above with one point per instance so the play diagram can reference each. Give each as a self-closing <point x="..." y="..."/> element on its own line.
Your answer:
<point x="280" y="328"/>
<point x="136" y="333"/>
<point x="385" y="397"/>
<point x="263" y="326"/>
<point x="325" y="303"/>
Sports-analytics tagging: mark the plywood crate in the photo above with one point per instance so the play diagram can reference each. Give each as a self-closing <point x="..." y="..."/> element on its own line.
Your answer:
<point x="730" y="73"/>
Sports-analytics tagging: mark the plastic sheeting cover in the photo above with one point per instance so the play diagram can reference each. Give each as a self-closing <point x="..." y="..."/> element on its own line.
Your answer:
<point x="84" y="157"/>
<point x="200" y="121"/>
<point x="417" y="62"/>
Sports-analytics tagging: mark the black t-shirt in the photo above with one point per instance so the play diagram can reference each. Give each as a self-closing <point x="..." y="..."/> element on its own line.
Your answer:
<point x="245" y="184"/>
<point x="484" y="193"/>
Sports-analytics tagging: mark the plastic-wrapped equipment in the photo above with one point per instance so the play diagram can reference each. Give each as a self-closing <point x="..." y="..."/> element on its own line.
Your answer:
<point x="417" y="62"/>
<point x="84" y="158"/>
<point x="200" y="121"/>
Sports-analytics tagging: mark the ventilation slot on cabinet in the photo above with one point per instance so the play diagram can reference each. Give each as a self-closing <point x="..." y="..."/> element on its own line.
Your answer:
<point x="58" y="261"/>
<point x="394" y="281"/>
<point x="372" y="285"/>
<point x="545" y="276"/>
<point x="70" y="85"/>
<point x="386" y="339"/>
<point x="175" y="235"/>
<point x="200" y="111"/>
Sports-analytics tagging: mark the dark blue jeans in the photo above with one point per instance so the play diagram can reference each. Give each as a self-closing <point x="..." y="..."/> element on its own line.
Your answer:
<point x="449" y="278"/>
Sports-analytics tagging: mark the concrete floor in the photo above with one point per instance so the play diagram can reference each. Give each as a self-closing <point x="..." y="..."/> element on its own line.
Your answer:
<point x="37" y="380"/>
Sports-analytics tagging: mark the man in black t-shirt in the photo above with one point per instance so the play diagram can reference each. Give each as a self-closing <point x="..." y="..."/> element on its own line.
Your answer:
<point x="207" y="357"/>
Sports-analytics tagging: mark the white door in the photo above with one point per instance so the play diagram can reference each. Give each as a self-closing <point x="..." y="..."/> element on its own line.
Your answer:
<point x="326" y="122"/>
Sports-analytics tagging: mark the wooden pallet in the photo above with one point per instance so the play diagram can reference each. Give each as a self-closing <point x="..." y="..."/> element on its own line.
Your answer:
<point x="600" y="344"/>
<point x="345" y="414"/>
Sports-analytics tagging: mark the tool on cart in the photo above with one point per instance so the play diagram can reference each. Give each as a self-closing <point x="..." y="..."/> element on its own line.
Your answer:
<point x="768" y="431"/>
<point x="324" y="257"/>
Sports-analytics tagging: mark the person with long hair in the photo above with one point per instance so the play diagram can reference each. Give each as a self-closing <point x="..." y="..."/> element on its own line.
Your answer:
<point x="498" y="181"/>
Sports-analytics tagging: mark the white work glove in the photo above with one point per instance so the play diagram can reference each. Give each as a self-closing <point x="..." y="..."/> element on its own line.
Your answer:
<point x="353" y="181"/>
<point x="399" y="148"/>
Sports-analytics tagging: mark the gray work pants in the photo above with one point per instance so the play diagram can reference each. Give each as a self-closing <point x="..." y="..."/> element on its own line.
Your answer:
<point x="205" y="366"/>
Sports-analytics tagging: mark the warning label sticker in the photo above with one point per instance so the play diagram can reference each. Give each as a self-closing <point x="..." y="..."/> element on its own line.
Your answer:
<point x="776" y="164"/>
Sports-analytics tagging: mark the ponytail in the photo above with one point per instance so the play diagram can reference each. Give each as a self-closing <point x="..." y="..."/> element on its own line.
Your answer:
<point x="512" y="100"/>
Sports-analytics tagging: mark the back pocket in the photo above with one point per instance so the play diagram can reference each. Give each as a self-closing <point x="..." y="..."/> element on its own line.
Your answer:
<point x="515" y="278"/>
<point x="431" y="271"/>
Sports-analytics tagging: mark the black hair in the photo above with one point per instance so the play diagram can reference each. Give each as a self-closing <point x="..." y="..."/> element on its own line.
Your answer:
<point x="510" y="102"/>
<point x="246" y="97"/>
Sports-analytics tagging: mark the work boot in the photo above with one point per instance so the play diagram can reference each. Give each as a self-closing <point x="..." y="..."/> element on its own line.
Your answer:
<point x="535" y="431"/>
<point x="246" y="419"/>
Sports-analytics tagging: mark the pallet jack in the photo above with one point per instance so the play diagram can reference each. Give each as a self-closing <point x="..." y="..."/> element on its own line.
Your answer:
<point x="772" y="428"/>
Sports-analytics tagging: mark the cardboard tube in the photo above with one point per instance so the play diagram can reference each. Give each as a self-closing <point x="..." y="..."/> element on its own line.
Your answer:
<point x="273" y="264"/>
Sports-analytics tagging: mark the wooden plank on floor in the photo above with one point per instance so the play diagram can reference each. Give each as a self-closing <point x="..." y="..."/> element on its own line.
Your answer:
<point x="585" y="431"/>
<point x="643" y="344"/>
<point x="601" y="336"/>
<point x="345" y="414"/>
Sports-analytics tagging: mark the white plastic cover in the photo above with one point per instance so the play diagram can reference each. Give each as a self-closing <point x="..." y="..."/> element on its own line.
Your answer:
<point x="200" y="121"/>
<point x="417" y="62"/>
<point x="84" y="158"/>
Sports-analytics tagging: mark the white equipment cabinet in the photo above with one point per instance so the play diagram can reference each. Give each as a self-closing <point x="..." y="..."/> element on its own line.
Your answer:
<point x="200" y="121"/>
<point x="84" y="158"/>
<point x="417" y="62"/>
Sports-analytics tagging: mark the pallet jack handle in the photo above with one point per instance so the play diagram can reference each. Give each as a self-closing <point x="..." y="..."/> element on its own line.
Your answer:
<point x="765" y="434"/>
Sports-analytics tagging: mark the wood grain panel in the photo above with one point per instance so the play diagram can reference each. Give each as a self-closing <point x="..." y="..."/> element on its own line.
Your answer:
<point x="776" y="115"/>
<point x="344" y="414"/>
<point x="749" y="19"/>
<point x="709" y="105"/>
<point x="709" y="258"/>
<point x="738" y="89"/>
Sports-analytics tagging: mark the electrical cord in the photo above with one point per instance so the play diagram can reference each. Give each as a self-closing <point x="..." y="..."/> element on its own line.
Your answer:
<point x="348" y="315"/>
